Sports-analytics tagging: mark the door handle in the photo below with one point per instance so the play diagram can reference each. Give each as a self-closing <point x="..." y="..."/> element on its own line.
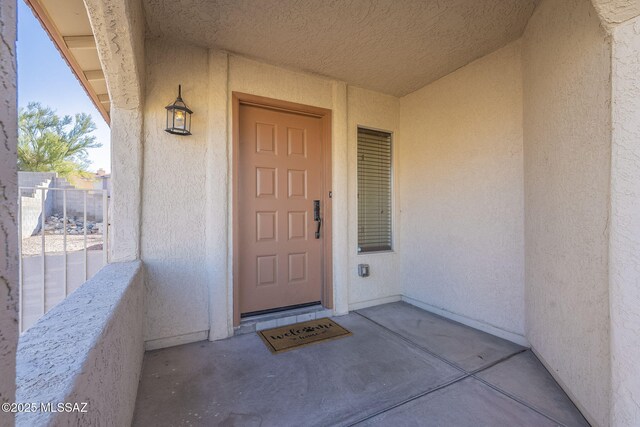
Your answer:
<point x="316" y="217"/>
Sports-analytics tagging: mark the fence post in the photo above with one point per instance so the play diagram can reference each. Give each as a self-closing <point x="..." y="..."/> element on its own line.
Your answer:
<point x="42" y="251"/>
<point x="85" y="233"/>
<point x="20" y="275"/>
<point x="105" y="227"/>
<point x="54" y="245"/>
<point x="64" y="240"/>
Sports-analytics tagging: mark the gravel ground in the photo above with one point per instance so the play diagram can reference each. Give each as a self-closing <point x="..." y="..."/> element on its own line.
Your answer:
<point x="32" y="245"/>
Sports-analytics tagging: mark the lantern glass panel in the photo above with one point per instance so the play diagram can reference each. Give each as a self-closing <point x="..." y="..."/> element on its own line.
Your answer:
<point x="180" y="119"/>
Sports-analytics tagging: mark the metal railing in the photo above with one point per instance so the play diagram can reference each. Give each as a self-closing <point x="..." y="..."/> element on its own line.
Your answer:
<point x="49" y="201"/>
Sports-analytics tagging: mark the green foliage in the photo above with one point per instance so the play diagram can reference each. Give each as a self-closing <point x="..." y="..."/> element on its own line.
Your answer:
<point x="49" y="143"/>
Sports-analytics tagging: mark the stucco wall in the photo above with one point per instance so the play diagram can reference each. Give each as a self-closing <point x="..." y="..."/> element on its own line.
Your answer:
<point x="374" y="110"/>
<point x="217" y="198"/>
<point x="8" y="207"/>
<point x="461" y="169"/>
<point x="118" y="26"/>
<point x="187" y="196"/>
<point x="87" y="349"/>
<point x="261" y="79"/>
<point x="64" y="274"/>
<point x="567" y="143"/>
<point x="624" y="254"/>
<point x="173" y="204"/>
<point x="613" y="12"/>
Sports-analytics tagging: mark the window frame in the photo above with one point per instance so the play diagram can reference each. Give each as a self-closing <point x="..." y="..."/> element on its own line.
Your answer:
<point x="392" y="216"/>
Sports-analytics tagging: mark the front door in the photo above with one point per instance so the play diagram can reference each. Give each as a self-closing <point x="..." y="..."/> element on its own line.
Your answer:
<point x="280" y="185"/>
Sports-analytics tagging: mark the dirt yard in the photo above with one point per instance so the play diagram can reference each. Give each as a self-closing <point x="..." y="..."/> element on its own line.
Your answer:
<point x="32" y="245"/>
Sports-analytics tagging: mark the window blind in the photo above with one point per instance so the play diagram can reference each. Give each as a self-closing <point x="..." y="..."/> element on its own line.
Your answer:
<point x="374" y="190"/>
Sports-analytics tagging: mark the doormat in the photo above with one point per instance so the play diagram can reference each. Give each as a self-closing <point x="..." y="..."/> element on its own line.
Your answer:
<point x="289" y="337"/>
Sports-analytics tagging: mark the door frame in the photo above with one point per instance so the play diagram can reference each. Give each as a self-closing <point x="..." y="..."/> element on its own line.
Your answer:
<point x="239" y="98"/>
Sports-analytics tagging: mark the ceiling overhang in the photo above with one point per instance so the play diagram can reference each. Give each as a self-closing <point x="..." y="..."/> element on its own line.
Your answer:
<point x="393" y="47"/>
<point x="390" y="46"/>
<point x="67" y="24"/>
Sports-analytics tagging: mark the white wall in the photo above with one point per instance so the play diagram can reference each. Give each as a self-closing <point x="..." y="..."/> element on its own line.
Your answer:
<point x="567" y="143"/>
<point x="173" y="197"/>
<point x="8" y="207"/>
<point x="374" y="110"/>
<point x="217" y="194"/>
<point x="261" y="79"/>
<point x="461" y="166"/>
<point x="624" y="253"/>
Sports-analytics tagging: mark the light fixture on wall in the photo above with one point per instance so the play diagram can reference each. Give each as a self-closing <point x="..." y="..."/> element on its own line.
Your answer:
<point x="178" y="116"/>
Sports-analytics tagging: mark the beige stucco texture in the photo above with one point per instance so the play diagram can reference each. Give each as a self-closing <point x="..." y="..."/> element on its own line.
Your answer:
<point x="175" y="246"/>
<point x="613" y="12"/>
<point x="119" y="33"/>
<point x="624" y="256"/>
<point x="343" y="39"/>
<point x="567" y="149"/>
<point x="376" y="111"/>
<point x="187" y="199"/>
<point x="514" y="171"/>
<point x="460" y="167"/>
<point x="173" y="205"/>
<point x="8" y="208"/>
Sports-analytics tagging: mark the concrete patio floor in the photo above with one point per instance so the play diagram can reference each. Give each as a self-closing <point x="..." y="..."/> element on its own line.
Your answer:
<point x="402" y="366"/>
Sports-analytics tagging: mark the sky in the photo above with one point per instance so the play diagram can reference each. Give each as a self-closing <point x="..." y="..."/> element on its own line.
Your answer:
<point x="45" y="77"/>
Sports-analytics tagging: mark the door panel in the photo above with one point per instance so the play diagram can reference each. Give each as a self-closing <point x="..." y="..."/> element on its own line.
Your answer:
<point x="280" y="175"/>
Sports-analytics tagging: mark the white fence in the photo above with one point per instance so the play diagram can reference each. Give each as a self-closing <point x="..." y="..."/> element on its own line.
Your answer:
<point x="65" y="248"/>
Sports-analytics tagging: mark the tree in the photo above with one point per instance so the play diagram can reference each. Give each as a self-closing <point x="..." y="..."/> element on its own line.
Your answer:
<point x="49" y="143"/>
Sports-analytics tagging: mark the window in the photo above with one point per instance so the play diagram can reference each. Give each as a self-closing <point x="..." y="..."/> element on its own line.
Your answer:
<point x="374" y="190"/>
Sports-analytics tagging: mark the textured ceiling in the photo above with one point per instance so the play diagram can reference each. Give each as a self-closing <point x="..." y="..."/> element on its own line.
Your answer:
<point x="393" y="46"/>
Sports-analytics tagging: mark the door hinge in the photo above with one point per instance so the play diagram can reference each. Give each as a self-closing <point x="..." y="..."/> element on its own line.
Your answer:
<point x="330" y="194"/>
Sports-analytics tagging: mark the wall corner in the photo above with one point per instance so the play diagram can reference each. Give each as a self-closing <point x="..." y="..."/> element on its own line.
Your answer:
<point x="218" y="195"/>
<point x="340" y="185"/>
<point x="8" y="208"/>
<point x="624" y="226"/>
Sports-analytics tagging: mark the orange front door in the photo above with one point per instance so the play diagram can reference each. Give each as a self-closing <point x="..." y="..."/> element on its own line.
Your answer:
<point x="280" y="176"/>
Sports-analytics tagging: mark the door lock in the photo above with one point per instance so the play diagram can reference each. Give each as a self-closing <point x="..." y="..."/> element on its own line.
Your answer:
<point x="316" y="217"/>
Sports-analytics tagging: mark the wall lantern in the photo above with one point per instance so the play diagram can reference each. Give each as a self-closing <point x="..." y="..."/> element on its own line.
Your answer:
<point x="178" y="116"/>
